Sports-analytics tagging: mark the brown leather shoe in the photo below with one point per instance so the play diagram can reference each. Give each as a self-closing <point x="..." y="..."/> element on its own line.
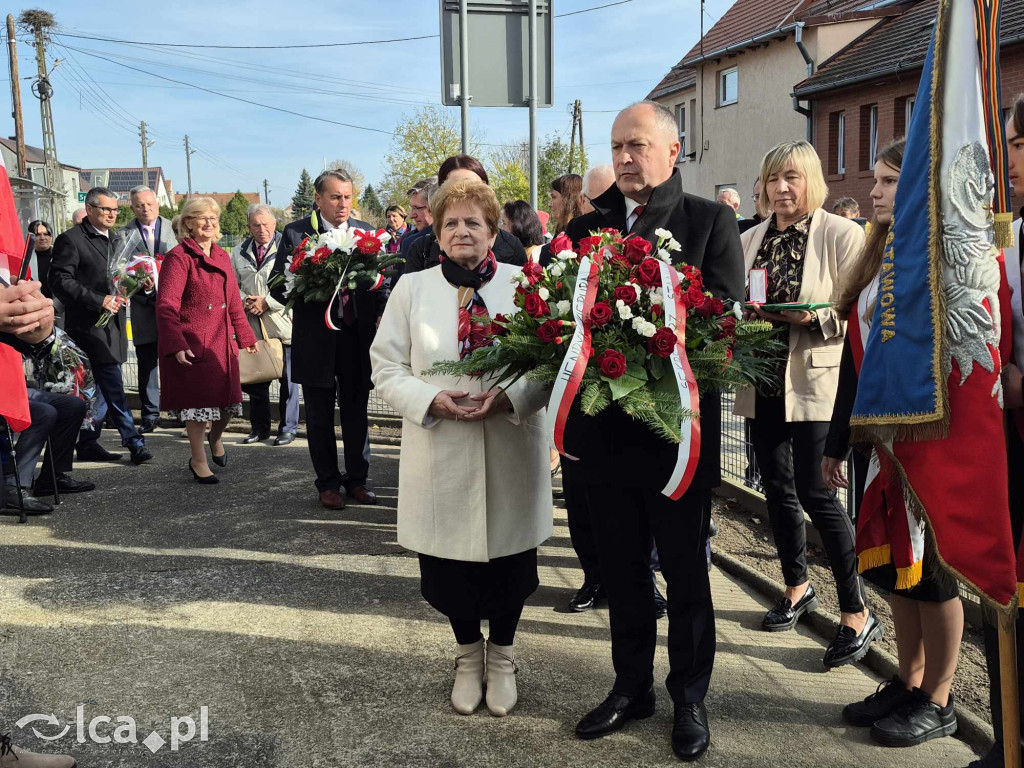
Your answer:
<point x="332" y="499"/>
<point x="363" y="495"/>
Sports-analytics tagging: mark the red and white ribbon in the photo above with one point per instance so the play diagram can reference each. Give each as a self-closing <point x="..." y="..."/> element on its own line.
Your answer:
<point x="334" y="298"/>
<point x="577" y="354"/>
<point x="689" y="447"/>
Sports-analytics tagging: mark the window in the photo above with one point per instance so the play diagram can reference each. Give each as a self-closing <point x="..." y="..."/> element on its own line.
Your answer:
<point x="841" y="147"/>
<point x="692" y="133"/>
<point x="728" y="87"/>
<point x="867" y="133"/>
<point x="909" y="110"/>
<point x="681" y="115"/>
<point x="873" y="135"/>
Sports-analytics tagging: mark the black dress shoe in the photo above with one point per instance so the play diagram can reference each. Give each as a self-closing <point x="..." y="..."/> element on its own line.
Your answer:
<point x="785" y="615"/>
<point x="690" y="733"/>
<point x="848" y="646"/>
<point x="586" y="597"/>
<point x="284" y="438"/>
<point x="147" y="427"/>
<point x="140" y="454"/>
<point x="660" y="603"/>
<point x="613" y="713"/>
<point x="916" y="722"/>
<point x="30" y="504"/>
<point x="96" y="452"/>
<point x="65" y="484"/>
<point x="208" y="480"/>
<point x="255" y="437"/>
<point x="887" y="698"/>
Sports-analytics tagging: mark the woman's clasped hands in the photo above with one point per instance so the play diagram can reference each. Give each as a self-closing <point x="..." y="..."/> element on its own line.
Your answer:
<point x="485" y="405"/>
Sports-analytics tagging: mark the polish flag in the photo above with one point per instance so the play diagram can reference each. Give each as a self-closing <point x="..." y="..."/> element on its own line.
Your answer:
<point x="13" y="395"/>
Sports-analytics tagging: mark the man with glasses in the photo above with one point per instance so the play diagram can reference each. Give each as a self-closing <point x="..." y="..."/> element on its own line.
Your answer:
<point x="79" y="278"/>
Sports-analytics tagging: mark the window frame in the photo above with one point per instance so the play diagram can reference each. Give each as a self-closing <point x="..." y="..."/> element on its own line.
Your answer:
<point x="908" y="106"/>
<point x="841" y="143"/>
<point x="872" y="135"/>
<point x="722" y="88"/>
<point x="681" y="117"/>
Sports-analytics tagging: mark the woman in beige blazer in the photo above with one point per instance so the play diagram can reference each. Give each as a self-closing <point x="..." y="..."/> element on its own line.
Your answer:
<point x="474" y="487"/>
<point x="805" y="252"/>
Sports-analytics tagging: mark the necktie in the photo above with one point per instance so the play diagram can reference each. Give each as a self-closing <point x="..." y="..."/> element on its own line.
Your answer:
<point x="637" y="213"/>
<point x="147" y="233"/>
<point x="261" y="254"/>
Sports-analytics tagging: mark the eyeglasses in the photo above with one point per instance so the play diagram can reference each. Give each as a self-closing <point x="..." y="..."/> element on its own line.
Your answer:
<point x="101" y="208"/>
<point x="419" y="207"/>
<point x="205" y="219"/>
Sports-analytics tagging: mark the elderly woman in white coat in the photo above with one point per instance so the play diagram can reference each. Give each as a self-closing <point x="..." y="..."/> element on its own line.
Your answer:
<point x="805" y="253"/>
<point x="474" y="487"/>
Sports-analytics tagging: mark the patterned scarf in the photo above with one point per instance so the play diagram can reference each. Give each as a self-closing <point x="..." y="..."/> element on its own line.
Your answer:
<point x="474" y="322"/>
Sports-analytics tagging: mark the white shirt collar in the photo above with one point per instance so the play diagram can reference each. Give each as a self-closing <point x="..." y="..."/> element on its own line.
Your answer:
<point x="631" y="205"/>
<point x="326" y="226"/>
<point x="89" y="225"/>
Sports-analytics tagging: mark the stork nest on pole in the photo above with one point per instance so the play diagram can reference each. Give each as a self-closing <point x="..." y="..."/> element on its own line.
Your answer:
<point x="36" y="19"/>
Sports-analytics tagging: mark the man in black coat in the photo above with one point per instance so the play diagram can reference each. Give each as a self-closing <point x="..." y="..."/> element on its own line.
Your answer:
<point x="155" y="237"/>
<point x="624" y="466"/>
<point x="333" y="365"/>
<point x="79" y="278"/>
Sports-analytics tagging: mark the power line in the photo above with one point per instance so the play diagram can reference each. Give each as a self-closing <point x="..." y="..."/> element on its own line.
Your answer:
<point x="588" y="10"/>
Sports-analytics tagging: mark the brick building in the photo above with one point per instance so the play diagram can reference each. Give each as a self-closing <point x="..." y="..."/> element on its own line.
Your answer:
<point x="862" y="98"/>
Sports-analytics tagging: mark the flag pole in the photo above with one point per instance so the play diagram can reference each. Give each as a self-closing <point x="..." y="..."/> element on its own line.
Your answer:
<point x="1008" y="689"/>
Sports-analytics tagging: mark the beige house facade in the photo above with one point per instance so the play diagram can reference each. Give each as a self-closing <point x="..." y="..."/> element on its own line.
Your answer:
<point x="732" y="93"/>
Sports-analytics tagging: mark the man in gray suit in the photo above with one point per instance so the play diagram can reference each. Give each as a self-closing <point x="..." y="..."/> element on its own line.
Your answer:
<point x="157" y="238"/>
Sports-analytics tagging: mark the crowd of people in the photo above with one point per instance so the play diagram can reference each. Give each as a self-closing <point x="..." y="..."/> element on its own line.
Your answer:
<point x="477" y="531"/>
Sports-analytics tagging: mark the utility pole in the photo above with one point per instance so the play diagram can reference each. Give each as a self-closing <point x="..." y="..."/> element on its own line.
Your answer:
<point x="532" y="26"/>
<point x="145" y="157"/>
<point x="572" y="135"/>
<point x="188" y="166"/>
<point x="39" y="23"/>
<point x="266" y="193"/>
<point x="583" y="151"/>
<point x="19" y="126"/>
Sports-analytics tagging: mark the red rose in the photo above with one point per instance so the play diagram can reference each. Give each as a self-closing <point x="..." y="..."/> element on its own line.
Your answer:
<point x="637" y="249"/>
<point x="657" y="310"/>
<point x="662" y="343"/>
<point x="626" y="294"/>
<point x="321" y="255"/>
<point x="496" y="329"/>
<point x="695" y="297"/>
<point x="600" y="314"/>
<point x="587" y="244"/>
<point x="535" y="306"/>
<point x="533" y="271"/>
<point x="727" y="328"/>
<point x="550" y="331"/>
<point x="612" y="363"/>
<point x="620" y="260"/>
<point x="713" y="307"/>
<point x="648" y="273"/>
<point x="561" y="243"/>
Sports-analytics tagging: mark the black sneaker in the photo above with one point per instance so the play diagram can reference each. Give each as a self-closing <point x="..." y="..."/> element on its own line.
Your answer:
<point x="887" y="698"/>
<point x="917" y="721"/>
<point x="140" y="454"/>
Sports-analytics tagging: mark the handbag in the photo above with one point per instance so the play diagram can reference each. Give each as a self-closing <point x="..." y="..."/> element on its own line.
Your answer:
<point x="266" y="365"/>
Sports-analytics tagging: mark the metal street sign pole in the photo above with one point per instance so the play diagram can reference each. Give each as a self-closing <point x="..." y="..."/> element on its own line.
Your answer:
<point x="533" y="104"/>
<point x="464" y="71"/>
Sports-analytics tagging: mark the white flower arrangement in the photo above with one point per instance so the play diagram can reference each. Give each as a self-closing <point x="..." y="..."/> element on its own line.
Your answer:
<point x="625" y="313"/>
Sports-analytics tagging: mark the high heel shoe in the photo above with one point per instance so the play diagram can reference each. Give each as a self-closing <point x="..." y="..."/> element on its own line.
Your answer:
<point x="220" y="461"/>
<point x="211" y="480"/>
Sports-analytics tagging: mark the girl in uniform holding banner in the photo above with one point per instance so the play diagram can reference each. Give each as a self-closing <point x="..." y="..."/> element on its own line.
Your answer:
<point x="802" y="253"/>
<point x="474" y="494"/>
<point x="928" y="619"/>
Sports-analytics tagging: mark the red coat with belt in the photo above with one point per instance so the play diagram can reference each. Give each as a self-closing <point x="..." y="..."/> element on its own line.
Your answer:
<point x="199" y="308"/>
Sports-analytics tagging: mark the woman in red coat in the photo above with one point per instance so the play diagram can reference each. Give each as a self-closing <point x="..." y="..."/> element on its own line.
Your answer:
<point x="201" y="325"/>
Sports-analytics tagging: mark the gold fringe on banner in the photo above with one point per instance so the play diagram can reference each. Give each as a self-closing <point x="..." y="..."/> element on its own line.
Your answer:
<point x="1004" y="230"/>
<point x="873" y="558"/>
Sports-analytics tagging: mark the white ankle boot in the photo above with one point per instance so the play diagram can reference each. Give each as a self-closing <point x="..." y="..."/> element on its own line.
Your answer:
<point x="501" y="679"/>
<point x="468" y="691"/>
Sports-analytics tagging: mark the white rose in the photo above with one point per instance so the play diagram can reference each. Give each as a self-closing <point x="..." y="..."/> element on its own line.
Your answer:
<point x="657" y="297"/>
<point x="638" y="323"/>
<point x="565" y="255"/>
<point x="543" y="293"/>
<point x="564" y="307"/>
<point x="556" y="269"/>
<point x="648" y="330"/>
<point x="624" y="311"/>
<point x="737" y="310"/>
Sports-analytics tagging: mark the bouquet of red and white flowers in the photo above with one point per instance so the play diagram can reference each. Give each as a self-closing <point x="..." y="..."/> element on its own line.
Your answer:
<point x="336" y="260"/>
<point x="130" y="274"/>
<point x="615" y="321"/>
<point x="63" y="368"/>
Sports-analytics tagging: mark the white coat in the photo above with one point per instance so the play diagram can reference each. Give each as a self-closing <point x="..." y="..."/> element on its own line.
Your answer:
<point x="472" y="491"/>
<point x="253" y="281"/>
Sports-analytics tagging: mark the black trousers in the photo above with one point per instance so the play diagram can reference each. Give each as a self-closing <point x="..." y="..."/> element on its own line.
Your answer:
<point x="581" y="530"/>
<point x="149" y="381"/>
<point x="54" y="416"/>
<point x="789" y="459"/>
<point x="352" y="392"/>
<point x="624" y="520"/>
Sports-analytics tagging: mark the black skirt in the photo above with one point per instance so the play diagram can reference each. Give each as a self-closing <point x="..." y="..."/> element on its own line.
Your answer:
<point x="469" y="590"/>
<point x="927" y="590"/>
